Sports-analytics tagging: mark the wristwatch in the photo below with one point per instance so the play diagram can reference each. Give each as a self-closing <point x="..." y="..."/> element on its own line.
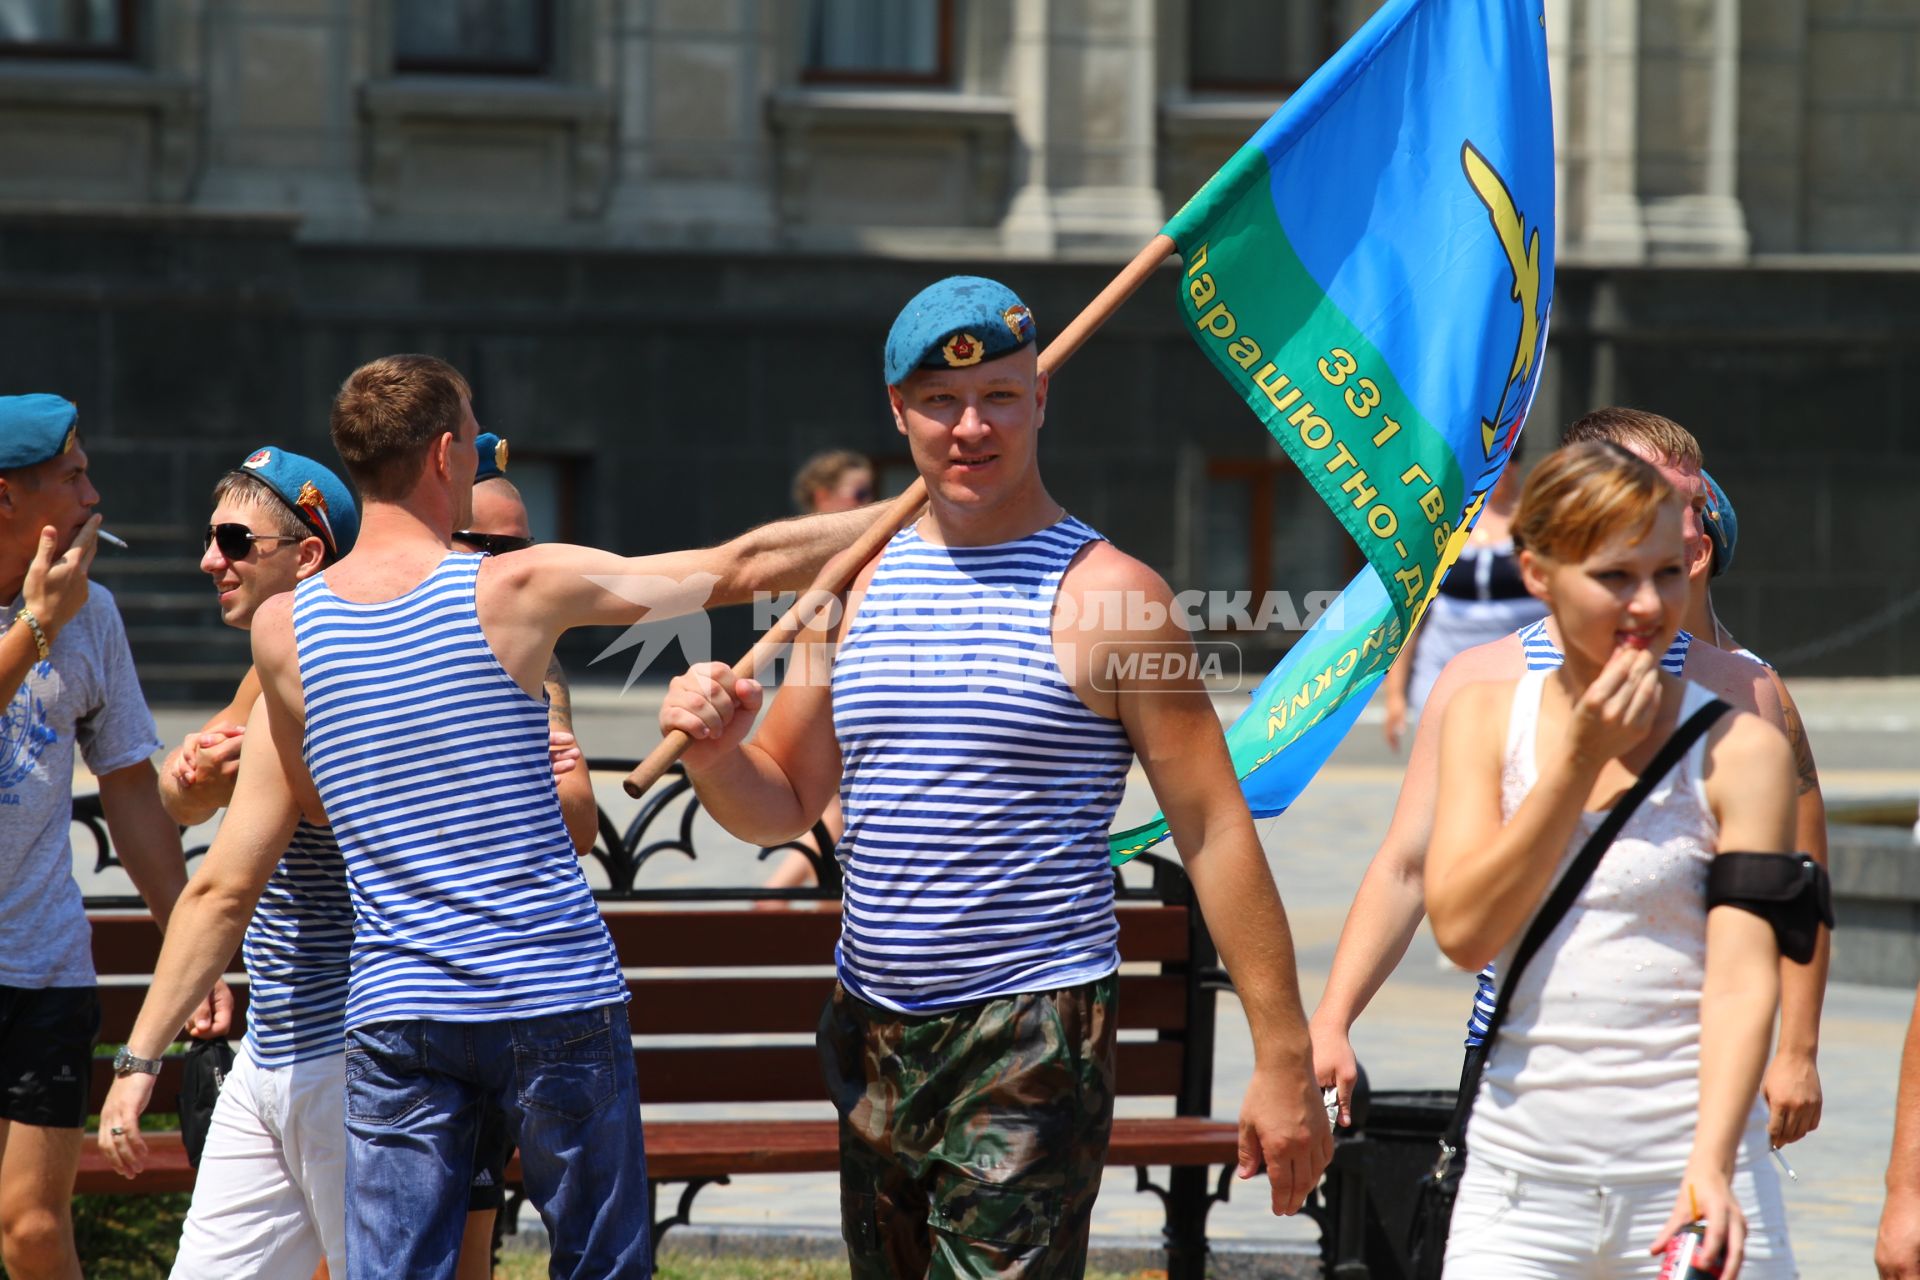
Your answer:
<point x="125" y="1064"/>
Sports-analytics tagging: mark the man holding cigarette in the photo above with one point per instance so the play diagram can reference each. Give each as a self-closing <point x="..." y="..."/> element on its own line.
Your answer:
<point x="70" y="681"/>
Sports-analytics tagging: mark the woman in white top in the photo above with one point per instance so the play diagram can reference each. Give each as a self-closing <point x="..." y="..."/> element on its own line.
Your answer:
<point x="1619" y="1099"/>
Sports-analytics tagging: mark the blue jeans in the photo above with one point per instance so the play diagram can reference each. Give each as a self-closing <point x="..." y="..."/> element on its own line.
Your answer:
<point x="565" y="1082"/>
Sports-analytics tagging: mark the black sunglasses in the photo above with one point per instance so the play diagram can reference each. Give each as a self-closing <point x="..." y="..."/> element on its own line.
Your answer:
<point x="236" y="540"/>
<point x="494" y="544"/>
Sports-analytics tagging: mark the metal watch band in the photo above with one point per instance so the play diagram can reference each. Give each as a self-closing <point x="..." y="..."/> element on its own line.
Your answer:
<point x="39" y="636"/>
<point x="125" y="1064"/>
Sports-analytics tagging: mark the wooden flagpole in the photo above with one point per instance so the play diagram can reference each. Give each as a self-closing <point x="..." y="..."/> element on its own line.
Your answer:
<point x="838" y="573"/>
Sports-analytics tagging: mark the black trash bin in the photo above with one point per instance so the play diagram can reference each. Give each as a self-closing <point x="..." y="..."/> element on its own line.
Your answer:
<point x="1366" y="1202"/>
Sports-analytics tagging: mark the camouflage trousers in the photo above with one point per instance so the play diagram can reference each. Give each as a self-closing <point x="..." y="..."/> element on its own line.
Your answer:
<point x="971" y="1142"/>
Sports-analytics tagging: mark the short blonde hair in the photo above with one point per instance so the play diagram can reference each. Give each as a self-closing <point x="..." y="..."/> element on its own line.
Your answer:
<point x="1582" y="494"/>
<point x="1615" y="424"/>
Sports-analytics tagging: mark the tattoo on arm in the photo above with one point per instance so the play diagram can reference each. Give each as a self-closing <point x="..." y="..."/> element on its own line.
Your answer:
<point x="1809" y="776"/>
<point x="559" y="696"/>
<point x="1802" y="751"/>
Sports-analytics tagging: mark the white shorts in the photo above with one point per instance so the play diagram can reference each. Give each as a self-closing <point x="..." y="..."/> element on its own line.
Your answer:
<point x="270" y="1199"/>
<point x="1514" y="1226"/>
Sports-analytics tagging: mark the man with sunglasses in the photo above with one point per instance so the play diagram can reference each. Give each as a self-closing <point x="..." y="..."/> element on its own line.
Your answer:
<point x="401" y="703"/>
<point x="69" y="682"/>
<point x="270" y="1197"/>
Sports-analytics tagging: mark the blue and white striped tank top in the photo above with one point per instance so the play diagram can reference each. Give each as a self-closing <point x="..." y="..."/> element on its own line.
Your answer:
<point x="978" y="788"/>
<point x="296" y="951"/>
<point x="1543" y="654"/>
<point x="468" y="904"/>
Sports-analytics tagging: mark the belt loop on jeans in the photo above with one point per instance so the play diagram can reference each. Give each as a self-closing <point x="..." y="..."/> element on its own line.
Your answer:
<point x="1510" y="1187"/>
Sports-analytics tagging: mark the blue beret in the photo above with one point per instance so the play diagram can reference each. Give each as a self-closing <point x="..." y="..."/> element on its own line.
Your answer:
<point x="954" y="323"/>
<point x="34" y="428"/>
<point x="493" y="456"/>
<point x="1723" y="527"/>
<point x="320" y="498"/>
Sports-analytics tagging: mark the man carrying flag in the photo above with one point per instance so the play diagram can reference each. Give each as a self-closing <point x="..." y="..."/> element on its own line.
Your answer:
<point x="980" y="749"/>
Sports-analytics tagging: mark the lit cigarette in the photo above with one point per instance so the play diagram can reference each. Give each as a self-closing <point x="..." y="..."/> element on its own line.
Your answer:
<point x="111" y="540"/>
<point x="1784" y="1165"/>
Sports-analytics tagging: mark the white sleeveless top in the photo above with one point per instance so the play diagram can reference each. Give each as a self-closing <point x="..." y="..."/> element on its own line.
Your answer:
<point x="1594" y="1076"/>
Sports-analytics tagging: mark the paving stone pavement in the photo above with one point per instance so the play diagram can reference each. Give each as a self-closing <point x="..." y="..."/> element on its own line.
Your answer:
<point x="1868" y="736"/>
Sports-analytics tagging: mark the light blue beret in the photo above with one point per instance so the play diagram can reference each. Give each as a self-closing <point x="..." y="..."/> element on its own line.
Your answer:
<point x="34" y="428"/>
<point x="954" y="323"/>
<point x="493" y="456"/>
<point x="1723" y="527"/>
<point x="320" y="498"/>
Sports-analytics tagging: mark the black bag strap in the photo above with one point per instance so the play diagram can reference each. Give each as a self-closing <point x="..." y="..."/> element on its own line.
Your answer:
<point x="1561" y="900"/>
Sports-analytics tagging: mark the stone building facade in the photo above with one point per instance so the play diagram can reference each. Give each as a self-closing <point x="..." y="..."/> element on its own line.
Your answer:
<point x="665" y="238"/>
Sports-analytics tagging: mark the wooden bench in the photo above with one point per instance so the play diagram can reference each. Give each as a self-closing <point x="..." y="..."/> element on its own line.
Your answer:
<point x="725" y="1003"/>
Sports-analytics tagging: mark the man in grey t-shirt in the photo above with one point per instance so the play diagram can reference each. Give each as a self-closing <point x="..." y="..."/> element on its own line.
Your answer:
<point x="78" y="689"/>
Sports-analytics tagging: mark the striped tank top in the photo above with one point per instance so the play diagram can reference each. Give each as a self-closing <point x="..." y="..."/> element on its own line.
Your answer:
<point x="468" y="904"/>
<point x="296" y="952"/>
<point x="978" y="788"/>
<point x="1542" y="654"/>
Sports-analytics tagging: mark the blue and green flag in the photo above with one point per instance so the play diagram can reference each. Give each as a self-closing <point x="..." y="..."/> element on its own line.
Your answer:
<point x="1372" y="273"/>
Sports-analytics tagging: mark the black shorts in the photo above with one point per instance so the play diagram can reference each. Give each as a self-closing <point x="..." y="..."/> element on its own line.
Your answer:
<point x="491" y="1151"/>
<point x="46" y="1054"/>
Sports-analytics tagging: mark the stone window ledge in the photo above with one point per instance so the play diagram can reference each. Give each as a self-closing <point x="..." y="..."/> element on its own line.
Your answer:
<point x="804" y="110"/>
<point x="166" y="105"/>
<point x="404" y="112"/>
<point x="484" y="100"/>
<point x="1197" y="119"/>
<point x="130" y="88"/>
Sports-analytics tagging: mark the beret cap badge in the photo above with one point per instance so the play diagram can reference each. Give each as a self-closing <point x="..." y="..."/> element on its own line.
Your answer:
<point x="962" y="350"/>
<point x="1020" y="321"/>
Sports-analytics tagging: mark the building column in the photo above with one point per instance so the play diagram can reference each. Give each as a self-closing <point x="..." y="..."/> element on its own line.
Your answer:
<point x="1084" y="124"/>
<point x="1710" y="223"/>
<point x="1615" y="226"/>
<point x="692" y="154"/>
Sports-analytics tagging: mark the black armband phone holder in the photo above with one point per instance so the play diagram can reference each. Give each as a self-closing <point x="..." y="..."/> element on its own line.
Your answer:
<point x="1790" y="891"/>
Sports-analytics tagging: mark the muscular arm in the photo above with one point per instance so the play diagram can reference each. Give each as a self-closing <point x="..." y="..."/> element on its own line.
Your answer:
<point x="1175" y="732"/>
<point x="214" y="908"/>
<point x="571" y="586"/>
<point x="577" y="806"/>
<point x="209" y="919"/>
<point x="771" y="789"/>
<point x="1792" y="1082"/>
<point x="213" y="763"/>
